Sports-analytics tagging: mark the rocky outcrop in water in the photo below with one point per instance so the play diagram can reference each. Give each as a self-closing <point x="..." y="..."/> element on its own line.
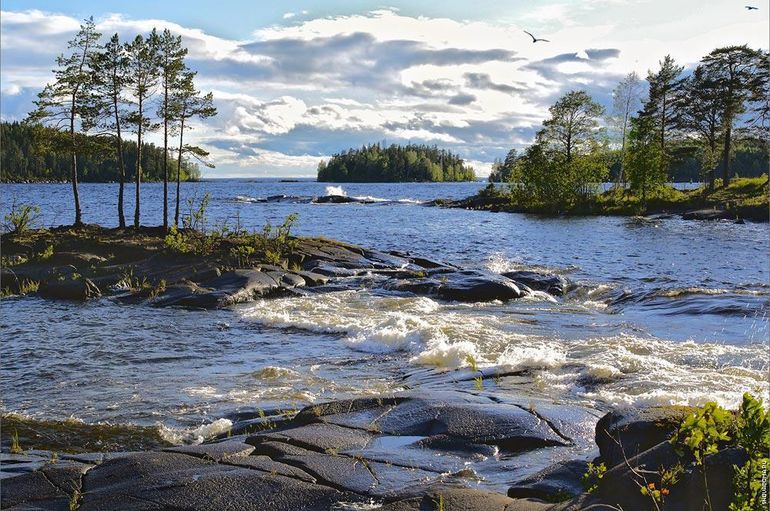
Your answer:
<point x="402" y="452"/>
<point x="136" y="267"/>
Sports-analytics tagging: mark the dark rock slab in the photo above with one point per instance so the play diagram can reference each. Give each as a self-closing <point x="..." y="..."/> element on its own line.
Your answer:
<point x="69" y="289"/>
<point x="558" y="482"/>
<point x="318" y="437"/>
<point x="458" y="498"/>
<point x="551" y="283"/>
<point x="266" y="464"/>
<point x="175" y="481"/>
<point x="626" y="432"/>
<point x="51" y="487"/>
<point x="218" y="451"/>
<point x="708" y="214"/>
<point x="462" y="286"/>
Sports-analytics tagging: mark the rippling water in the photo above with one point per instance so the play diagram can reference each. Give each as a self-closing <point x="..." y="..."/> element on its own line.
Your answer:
<point x="666" y="311"/>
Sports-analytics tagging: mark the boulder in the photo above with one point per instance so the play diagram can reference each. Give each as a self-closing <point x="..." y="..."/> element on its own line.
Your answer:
<point x="626" y="432"/>
<point x="708" y="214"/>
<point x="551" y="283"/>
<point x="462" y="286"/>
<point x="69" y="289"/>
<point x="557" y="482"/>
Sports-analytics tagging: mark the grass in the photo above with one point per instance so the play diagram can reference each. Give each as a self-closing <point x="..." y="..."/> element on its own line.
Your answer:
<point x="745" y="196"/>
<point x="15" y="446"/>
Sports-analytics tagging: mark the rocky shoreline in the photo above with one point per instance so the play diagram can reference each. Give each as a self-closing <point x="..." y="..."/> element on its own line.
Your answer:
<point x="136" y="267"/>
<point x="434" y="450"/>
<point x="402" y="452"/>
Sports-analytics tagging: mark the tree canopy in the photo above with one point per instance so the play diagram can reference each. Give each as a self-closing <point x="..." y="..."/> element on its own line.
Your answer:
<point x="374" y="163"/>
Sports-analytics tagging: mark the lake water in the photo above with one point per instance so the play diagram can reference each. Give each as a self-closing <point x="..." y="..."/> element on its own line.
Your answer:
<point x="667" y="311"/>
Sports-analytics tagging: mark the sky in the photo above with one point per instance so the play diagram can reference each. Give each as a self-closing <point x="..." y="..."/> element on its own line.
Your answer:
<point x="297" y="81"/>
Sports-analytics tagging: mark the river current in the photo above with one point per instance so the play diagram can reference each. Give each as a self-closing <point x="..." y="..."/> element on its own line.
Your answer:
<point x="666" y="312"/>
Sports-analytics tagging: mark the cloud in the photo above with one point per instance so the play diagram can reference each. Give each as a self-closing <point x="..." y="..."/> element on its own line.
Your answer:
<point x="295" y="92"/>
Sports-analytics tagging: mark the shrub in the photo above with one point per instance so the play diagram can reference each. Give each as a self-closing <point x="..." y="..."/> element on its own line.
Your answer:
<point x="21" y="218"/>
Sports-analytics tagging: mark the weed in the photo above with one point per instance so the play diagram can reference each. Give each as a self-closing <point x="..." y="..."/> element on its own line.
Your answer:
<point x="46" y="254"/>
<point x="472" y="362"/>
<point x="593" y="476"/>
<point x="21" y="218"/>
<point x="478" y="383"/>
<point x="15" y="447"/>
<point x="28" y="286"/>
<point x="74" y="503"/>
<point x="439" y="503"/>
<point x="158" y="289"/>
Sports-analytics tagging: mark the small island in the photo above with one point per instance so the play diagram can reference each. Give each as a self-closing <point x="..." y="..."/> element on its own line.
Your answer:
<point x="410" y="163"/>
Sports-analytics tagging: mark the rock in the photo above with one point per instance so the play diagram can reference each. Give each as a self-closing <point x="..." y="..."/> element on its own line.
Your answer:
<point x="626" y="432"/>
<point x="318" y="437"/>
<point x="230" y="288"/>
<point x="620" y="485"/>
<point x="462" y="286"/>
<point x="51" y="487"/>
<point x="335" y="199"/>
<point x="163" y="480"/>
<point x="312" y="278"/>
<point x="708" y="214"/>
<point x="69" y="289"/>
<point x="551" y="283"/>
<point x="558" y="482"/>
<point x="77" y="259"/>
<point x="218" y="451"/>
<point x="460" y="499"/>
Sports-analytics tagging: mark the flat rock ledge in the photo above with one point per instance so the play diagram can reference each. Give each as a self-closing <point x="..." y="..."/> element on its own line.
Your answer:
<point x="118" y="265"/>
<point x="452" y="451"/>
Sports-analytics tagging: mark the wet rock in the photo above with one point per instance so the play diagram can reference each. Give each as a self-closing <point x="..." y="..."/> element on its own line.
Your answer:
<point x="462" y="286"/>
<point x="708" y="214"/>
<point x="336" y="199"/>
<point x="69" y="289"/>
<point x="626" y="432"/>
<point x="312" y="278"/>
<point x="551" y="283"/>
<point x="266" y="464"/>
<point x="558" y="482"/>
<point x="77" y="259"/>
<point x="318" y="437"/>
<point x="230" y="288"/>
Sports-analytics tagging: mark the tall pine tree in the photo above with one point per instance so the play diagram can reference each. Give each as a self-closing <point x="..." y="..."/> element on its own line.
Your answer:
<point x="66" y="104"/>
<point x="659" y="107"/>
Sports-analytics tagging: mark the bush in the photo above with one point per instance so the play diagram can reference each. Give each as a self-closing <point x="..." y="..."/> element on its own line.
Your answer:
<point x="21" y="218"/>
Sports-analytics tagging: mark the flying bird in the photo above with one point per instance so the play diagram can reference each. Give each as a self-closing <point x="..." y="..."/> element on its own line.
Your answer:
<point x="535" y="39"/>
<point x="752" y="8"/>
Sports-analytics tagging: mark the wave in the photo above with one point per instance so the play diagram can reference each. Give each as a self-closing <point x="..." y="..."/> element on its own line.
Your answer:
<point x="499" y="338"/>
<point x="195" y="435"/>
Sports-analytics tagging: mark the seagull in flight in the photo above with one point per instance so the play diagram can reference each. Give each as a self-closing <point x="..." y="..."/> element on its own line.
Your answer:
<point x="535" y="39"/>
<point x="752" y="8"/>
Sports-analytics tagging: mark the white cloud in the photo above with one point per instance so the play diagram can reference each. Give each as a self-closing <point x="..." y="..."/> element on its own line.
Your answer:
<point x="314" y="86"/>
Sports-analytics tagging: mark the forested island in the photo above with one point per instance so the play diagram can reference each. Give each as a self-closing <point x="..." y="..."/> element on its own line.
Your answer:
<point x="409" y="163"/>
<point x="25" y="158"/>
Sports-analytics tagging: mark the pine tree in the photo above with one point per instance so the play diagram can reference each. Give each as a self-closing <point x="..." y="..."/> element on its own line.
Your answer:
<point x="701" y="107"/>
<point x="111" y="79"/>
<point x="171" y="55"/>
<point x="143" y="67"/>
<point x="187" y="103"/>
<point x="66" y="104"/>
<point x="735" y="73"/>
<point x="664" y="86"/>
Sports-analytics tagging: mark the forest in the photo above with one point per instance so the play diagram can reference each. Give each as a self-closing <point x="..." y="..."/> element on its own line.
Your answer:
<point x="395" y="163"/>
<point x="24" y="160"/>
<point x="708" y="125"/>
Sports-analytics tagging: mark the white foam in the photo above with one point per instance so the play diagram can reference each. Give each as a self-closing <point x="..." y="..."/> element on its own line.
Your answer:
<point x="245" y="198"/>
<point x="614" y="369"/>
<point x="195" y="435"/>
<point x="335" y="190"/>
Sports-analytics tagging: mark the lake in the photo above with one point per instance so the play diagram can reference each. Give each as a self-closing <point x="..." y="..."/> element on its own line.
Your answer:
<point x="666" y="311"/>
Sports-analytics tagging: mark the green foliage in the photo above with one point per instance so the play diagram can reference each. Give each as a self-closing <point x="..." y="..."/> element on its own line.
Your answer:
<point x="21" y="218"/>
<point x="396" y="163"/>
<point x="478" y="383"/>
<point x="593" y="476"/>
<point x="704" y="431"/>
<point x="644" y="165"/>
<point x="195" y="218"/>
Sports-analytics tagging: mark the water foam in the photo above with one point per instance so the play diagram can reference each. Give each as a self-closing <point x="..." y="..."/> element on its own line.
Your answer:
<point x="195" y="435"/>
<point x="335" y="190"/>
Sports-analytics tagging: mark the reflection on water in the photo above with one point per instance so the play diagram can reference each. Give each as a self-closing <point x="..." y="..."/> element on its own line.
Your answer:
<point x="666" y="311"/>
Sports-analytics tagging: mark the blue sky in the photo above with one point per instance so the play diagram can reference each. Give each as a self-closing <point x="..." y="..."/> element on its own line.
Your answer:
<point x="298" y="81"/>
